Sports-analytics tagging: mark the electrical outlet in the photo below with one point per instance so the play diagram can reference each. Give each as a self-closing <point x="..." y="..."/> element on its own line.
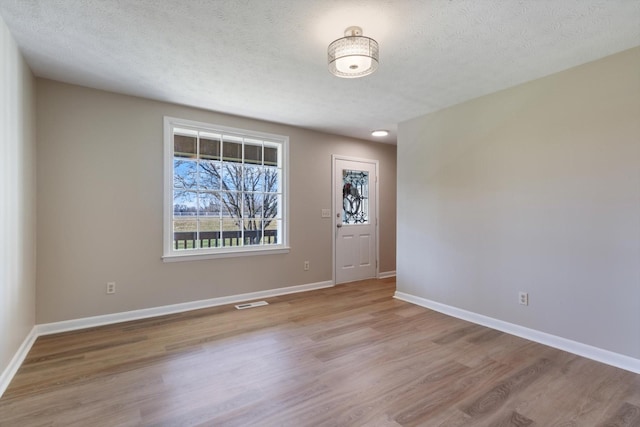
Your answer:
<point x="523" y="298"/>
<point x="306" y="266"/>
<point x="111" y="287"/>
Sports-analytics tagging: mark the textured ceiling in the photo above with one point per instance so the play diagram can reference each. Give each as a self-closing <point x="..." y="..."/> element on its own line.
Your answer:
<point x="266" y="59"/>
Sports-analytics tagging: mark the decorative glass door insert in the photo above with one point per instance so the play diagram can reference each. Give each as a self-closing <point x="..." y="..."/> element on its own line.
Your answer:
<point x="355" y="197"/>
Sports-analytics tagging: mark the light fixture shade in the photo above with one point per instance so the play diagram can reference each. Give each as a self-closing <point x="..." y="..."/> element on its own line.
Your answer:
<point x="353" y="55"/>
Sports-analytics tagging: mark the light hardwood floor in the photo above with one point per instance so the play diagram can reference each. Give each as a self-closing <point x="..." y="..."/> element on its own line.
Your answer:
<point x="344" y="356"/>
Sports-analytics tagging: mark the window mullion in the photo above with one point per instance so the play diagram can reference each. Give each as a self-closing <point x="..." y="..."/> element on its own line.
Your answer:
<point x="241" y="195"/>
<point x="196" y="244"/>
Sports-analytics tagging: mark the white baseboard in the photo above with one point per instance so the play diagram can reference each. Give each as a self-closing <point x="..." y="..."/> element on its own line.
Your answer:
<point x="605" y="356"/>
<point x="107" y="319"/>
<point x="70" y="325"/>
<point x="7" y="375"/>
<point x="386" y="274"/>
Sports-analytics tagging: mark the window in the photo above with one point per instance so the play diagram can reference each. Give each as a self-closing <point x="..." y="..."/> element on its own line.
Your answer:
<point x="225" y="191"/>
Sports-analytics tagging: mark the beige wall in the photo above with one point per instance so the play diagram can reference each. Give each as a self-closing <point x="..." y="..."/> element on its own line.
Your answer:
<point x="17" y="199"/>
<point x="535" y="188"/>
<point x="100" y="210"/>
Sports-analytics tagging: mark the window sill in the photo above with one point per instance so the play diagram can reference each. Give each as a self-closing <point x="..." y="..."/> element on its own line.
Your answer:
<point x="226" y="254"/>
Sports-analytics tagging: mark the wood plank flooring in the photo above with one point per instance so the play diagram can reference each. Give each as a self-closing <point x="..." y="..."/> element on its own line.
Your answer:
<point x="344" y="356"/>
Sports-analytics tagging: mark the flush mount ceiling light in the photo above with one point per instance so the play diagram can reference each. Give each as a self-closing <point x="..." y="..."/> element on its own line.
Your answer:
<point x="380" y="132"/>
<point x="353" y="55"/>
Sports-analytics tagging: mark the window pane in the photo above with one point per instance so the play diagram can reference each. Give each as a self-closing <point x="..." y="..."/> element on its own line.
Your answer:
<point x="231" y="176"/>
<point x="271" y="180"/>
<point x="184" y="234"/>
<point x="184" y="146"/>
<point x="253" y="178"/>
<point x="270" y="206"/>
<point x="210" y="233"/>
<point x="272" y="231"/>
<point x="252" y="205"/>
<point x="232" y="149"/>
<point x="271" y="156"/>
<point x="210" y="147"/>
<point x="232" y="234"/>
<point x="209" y="175"/>
<point x="209" y="205"/>
<point x="184" y="173"/>
<point x="253" y="154"/>
<point x="231" y="203"/>
<point x="184" y="204"/>
<point x="252" y="231"/>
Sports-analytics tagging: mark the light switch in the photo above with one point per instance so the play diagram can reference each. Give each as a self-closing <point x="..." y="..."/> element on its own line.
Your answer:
<point x="326" y="213"/>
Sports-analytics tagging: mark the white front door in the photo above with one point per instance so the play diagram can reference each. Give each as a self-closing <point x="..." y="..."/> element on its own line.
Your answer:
<point x="355" y="219"/>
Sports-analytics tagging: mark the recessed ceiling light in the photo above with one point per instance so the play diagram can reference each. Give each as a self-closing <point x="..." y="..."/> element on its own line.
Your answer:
<point x="380" y="132"/>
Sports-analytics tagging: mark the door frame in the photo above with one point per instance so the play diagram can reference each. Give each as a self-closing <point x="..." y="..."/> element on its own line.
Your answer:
<point x="334" y="212"/>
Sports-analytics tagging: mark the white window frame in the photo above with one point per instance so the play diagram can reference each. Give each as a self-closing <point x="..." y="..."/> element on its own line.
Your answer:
<point x="170" y="254"/>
